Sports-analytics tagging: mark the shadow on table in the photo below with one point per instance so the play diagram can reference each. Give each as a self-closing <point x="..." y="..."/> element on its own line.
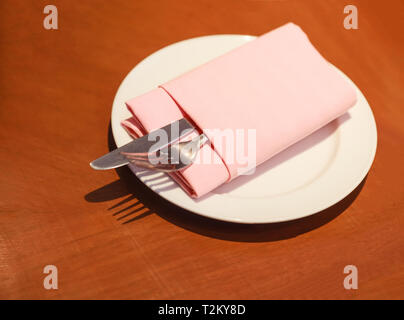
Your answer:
<point x="135" y="190"/>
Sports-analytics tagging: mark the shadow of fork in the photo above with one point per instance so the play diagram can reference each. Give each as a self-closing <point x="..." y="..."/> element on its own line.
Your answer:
<point x="123" y="209"/>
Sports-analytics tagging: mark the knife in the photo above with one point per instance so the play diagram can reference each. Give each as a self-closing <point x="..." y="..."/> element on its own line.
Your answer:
<point x="144" y="145"/>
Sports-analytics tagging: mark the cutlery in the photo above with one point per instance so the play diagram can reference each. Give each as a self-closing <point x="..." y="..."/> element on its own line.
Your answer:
<point x="173" y="158"/>
<point x="144" y="146"/>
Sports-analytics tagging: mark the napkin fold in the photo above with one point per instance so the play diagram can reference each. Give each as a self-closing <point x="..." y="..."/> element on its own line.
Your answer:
<point x="278" y="87"/>
<point x="156" y="109"/>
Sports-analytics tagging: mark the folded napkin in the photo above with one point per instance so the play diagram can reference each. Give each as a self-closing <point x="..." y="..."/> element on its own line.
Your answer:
<point x="278" y="86"/>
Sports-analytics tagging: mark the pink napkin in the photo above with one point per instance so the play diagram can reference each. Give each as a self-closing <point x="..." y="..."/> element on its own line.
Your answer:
<point x="278" y="86"/>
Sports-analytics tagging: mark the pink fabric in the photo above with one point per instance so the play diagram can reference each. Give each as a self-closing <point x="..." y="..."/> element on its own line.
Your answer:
<point x="277" y="84"/>
<point x="156" y="109"/>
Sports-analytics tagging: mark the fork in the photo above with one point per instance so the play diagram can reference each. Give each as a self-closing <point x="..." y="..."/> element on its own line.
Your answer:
<point x="174" y="158"/>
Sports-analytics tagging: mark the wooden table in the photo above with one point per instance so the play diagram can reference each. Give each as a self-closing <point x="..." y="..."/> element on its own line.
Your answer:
<point x="111" y="237"/>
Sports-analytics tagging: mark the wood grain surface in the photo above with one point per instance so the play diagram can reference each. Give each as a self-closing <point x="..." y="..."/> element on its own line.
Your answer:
<point x="112" y="238"/>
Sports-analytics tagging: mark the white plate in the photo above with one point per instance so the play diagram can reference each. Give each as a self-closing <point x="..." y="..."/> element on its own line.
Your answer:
<point x="306" y="178"/>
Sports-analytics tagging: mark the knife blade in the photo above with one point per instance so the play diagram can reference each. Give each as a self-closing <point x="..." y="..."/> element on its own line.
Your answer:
<point x="145" y="144"/>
